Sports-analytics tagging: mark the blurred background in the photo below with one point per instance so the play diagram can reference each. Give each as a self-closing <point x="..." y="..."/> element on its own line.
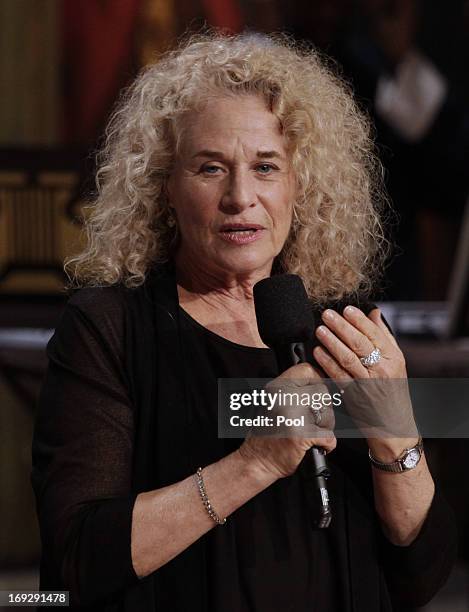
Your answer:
<point x="62" y="66"/>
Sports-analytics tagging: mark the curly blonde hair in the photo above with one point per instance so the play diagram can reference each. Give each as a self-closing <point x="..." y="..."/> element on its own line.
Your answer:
<point x="336" y="242"/>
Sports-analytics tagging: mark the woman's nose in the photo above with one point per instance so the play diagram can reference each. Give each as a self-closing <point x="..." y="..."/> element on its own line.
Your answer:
<point x="240" y="192"/>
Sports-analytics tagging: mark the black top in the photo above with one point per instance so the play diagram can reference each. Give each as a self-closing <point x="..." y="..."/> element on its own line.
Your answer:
<point x="267" y="556"/>
<point x="131" y="381"/>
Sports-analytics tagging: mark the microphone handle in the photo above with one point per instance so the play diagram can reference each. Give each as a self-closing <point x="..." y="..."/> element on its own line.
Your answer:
<point x="321" y="473"/>
<point x="289" y="355"/>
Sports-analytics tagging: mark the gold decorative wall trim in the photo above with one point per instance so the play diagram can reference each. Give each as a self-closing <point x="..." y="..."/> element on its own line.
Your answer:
<point x="36" y="229"/>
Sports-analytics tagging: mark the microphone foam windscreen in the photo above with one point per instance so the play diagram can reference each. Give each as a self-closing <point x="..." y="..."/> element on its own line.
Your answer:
<point x="283" y="311"/>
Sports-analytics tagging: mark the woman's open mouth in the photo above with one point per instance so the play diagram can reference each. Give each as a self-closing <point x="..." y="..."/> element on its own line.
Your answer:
<point x="240" y="233"/>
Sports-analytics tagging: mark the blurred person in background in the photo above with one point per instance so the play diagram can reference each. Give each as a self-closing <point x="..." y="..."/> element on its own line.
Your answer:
<point x="422" y="122"/>
<point x="230" y="160"/>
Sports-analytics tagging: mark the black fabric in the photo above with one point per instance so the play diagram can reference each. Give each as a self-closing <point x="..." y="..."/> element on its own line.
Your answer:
<point x="267" y="556"/>
<point x="130" y="383"/>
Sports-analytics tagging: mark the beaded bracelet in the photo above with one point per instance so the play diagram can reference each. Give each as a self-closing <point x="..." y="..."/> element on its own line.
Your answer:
<point x="205" y="500"/>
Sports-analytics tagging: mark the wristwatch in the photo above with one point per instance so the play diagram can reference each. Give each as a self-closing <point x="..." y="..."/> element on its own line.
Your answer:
<point x="407" y="461"/>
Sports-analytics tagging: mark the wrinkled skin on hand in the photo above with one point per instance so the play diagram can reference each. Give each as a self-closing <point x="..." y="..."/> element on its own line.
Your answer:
<point x="282" y="455"/>
<point x="377" y="397"/>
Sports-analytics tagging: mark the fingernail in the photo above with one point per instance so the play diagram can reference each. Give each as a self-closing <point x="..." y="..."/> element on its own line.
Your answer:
<point x="322" y="329"/>
<point x="350" y="310"/>
<point x="328" y="314"/>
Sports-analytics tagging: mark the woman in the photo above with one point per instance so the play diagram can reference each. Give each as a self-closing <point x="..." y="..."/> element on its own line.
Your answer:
<point x="229" y="160"/>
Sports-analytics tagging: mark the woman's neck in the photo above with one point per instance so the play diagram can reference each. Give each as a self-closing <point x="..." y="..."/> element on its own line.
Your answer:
<point x="221" y="304"/>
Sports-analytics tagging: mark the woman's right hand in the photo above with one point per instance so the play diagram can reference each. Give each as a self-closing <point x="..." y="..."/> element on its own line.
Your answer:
<point x="281" y="456"/>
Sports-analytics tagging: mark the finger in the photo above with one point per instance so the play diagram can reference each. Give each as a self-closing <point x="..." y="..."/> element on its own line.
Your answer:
<point x="367" y="326"/>
<point x="328" y="442"/>
<point x="304" y="373"/>
<point x="342" y="354"/>
<point x="375" y="316"/>
<point x="327" y="420"/>
<point x="357" y="342"/>
<point x="330" y="365"/>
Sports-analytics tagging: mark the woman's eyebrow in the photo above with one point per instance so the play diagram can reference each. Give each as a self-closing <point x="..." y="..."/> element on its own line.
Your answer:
<point x="208" y="153"/>
<point x="218" y="154"/>
<point x="269" y="154"/>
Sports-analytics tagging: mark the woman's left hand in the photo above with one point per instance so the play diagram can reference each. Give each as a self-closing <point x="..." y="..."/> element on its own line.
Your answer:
<point x="377" y="397"/>
<point x="348" y="338"/>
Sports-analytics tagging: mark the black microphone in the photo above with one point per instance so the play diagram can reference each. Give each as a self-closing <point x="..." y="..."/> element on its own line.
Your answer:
<point x="286" y="324"/>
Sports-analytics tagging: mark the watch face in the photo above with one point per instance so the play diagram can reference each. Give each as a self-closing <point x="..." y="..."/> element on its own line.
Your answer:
<point x="412" y="459"/>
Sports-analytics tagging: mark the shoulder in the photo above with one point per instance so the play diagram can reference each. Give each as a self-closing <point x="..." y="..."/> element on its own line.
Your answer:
<point x="97" y="316"/>
<point x="105" y="301"/>
<point x="101" y="310"/>
<point x="97" y="299"/>
<point x="111" y="309"/>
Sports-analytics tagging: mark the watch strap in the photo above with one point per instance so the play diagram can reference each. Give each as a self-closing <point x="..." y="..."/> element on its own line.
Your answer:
<point x="399" y="464"/>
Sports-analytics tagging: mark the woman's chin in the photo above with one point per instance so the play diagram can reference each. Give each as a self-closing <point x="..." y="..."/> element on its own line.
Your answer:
<point x="246" y="263"/>
<point x="239" y="261"/>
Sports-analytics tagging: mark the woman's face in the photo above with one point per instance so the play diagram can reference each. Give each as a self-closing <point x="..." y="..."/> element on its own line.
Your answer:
<point x="232" y="187"/>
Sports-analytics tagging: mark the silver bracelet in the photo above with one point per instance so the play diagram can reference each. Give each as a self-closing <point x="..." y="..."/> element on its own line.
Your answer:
<point x="205" y="500"/>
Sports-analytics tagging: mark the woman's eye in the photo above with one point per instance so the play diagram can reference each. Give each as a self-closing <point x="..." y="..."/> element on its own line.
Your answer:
<point x="265" y="168"/>
<point x="210" y="169"/>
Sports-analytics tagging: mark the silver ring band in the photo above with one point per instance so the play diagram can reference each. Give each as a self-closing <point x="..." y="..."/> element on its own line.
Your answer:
<point x="317" y="414"/>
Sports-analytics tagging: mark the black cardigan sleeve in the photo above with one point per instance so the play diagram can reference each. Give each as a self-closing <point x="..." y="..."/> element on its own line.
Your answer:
<point x="415" y="573"/>
<point x="82" y="452"/>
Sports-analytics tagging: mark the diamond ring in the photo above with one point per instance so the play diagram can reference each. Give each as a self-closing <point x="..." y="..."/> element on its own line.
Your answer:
<point x="372" y="359"/>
